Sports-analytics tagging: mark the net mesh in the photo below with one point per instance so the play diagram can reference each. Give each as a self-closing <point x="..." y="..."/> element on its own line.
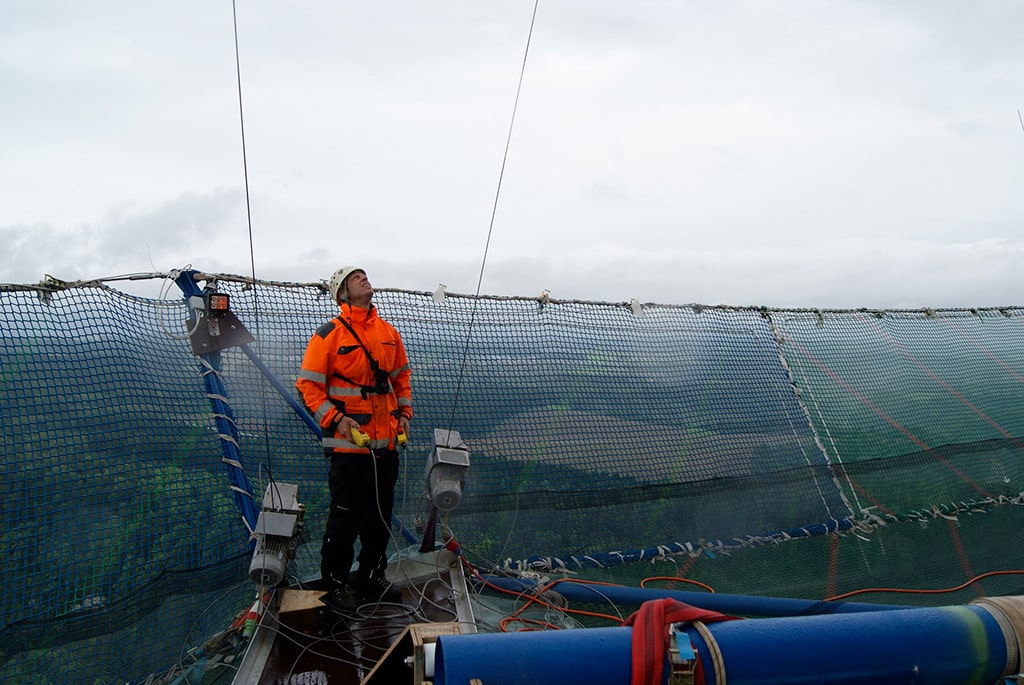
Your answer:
<point x="772" y="452"/>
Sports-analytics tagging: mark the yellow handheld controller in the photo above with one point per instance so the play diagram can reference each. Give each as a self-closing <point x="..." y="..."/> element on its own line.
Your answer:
<point x="359" y="437"/>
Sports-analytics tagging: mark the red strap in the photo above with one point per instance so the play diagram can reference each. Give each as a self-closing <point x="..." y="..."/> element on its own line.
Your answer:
<point x="650" y="636"/>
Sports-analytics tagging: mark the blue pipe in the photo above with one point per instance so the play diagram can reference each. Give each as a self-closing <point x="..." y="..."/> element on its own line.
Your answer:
<point x="591" y="655"/>
<point x="946" y="646"/>
<point x="737" y="605"/>
<point x="223" y="417"/>
<point x="949" y="645"/>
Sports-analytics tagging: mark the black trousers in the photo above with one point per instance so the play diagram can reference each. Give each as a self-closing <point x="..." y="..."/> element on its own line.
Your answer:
<point x="362" y="490"/>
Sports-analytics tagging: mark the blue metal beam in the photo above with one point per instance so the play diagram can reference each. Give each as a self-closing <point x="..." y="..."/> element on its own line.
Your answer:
<point x="224" y="418"/>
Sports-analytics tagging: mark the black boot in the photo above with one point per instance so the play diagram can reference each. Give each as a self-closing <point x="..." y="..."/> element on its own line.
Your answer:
<point x="377" y="589"/>
<point x="340" y="596"/>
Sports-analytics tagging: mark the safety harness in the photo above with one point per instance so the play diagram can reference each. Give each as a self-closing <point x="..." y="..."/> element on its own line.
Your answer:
<point x="381" y="379"/>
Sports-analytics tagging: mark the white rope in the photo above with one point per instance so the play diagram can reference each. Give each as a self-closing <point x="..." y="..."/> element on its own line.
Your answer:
<point x="716" y="654"/>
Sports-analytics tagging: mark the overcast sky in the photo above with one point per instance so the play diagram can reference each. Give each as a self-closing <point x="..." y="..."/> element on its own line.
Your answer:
<point x="784" y="153"/>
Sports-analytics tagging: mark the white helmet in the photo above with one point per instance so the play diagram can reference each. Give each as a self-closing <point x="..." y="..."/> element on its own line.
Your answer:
<point x="337" y="282"/>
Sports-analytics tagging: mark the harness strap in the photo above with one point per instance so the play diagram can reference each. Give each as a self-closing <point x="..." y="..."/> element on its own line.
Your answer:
<point x="374" y="366"/>
<point x="364" y="390"/>
<point x="346" y="324"/>
<point x="651" y="636"/>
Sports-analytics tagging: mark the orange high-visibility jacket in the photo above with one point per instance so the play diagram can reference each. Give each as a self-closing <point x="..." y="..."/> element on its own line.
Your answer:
<point x="336" y="379"/>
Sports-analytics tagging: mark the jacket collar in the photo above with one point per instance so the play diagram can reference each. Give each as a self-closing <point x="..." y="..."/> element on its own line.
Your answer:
<point x="358" y="315"/>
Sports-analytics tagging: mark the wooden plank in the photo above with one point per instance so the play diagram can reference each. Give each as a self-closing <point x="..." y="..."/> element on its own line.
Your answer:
<point x="300" y="609"/>
<point x="300" y="600"/>
<point x="408" y="646"/>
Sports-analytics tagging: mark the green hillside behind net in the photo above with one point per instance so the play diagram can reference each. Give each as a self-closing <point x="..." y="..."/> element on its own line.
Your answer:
<point x="774" y="452"/>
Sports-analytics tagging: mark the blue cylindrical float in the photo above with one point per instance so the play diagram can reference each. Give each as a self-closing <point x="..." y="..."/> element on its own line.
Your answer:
<point x="587" y="655"/>
<point x="944" y="646"/>
<point x="962" y="645"/>
<point x="744" y="605"/>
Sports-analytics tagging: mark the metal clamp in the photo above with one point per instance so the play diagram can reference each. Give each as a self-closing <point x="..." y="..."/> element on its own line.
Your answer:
<point x="682" y="660"/>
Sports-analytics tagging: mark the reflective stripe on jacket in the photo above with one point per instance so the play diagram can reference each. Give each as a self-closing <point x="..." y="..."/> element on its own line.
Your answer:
<point x="336" y="379"/>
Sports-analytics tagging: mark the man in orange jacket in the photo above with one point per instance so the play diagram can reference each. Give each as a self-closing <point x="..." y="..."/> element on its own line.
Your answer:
<point x="355" y="381"/>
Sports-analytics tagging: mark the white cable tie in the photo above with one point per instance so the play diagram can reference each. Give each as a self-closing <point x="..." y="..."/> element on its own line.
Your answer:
<point x="233" y="462"/>
<point x="215" y="396"/>
<point x="241" y="491"/>
<point x="228" y="438"/>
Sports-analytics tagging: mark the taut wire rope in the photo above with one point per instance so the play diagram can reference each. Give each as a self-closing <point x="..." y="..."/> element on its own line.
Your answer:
<point x="490" y="228"/>
<point x="252" y="252"/>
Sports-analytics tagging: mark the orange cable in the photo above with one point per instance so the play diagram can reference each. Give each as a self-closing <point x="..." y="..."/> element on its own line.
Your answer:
<point x="923" y="592"/>
<point x="676" y="579"/>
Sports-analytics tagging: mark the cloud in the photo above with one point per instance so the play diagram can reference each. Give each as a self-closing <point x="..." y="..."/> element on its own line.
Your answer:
<point x="892" y="274"/>
<point x="735" y="152"/>
<point x="883" y="273"/>
<point x="127" y="239"/>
